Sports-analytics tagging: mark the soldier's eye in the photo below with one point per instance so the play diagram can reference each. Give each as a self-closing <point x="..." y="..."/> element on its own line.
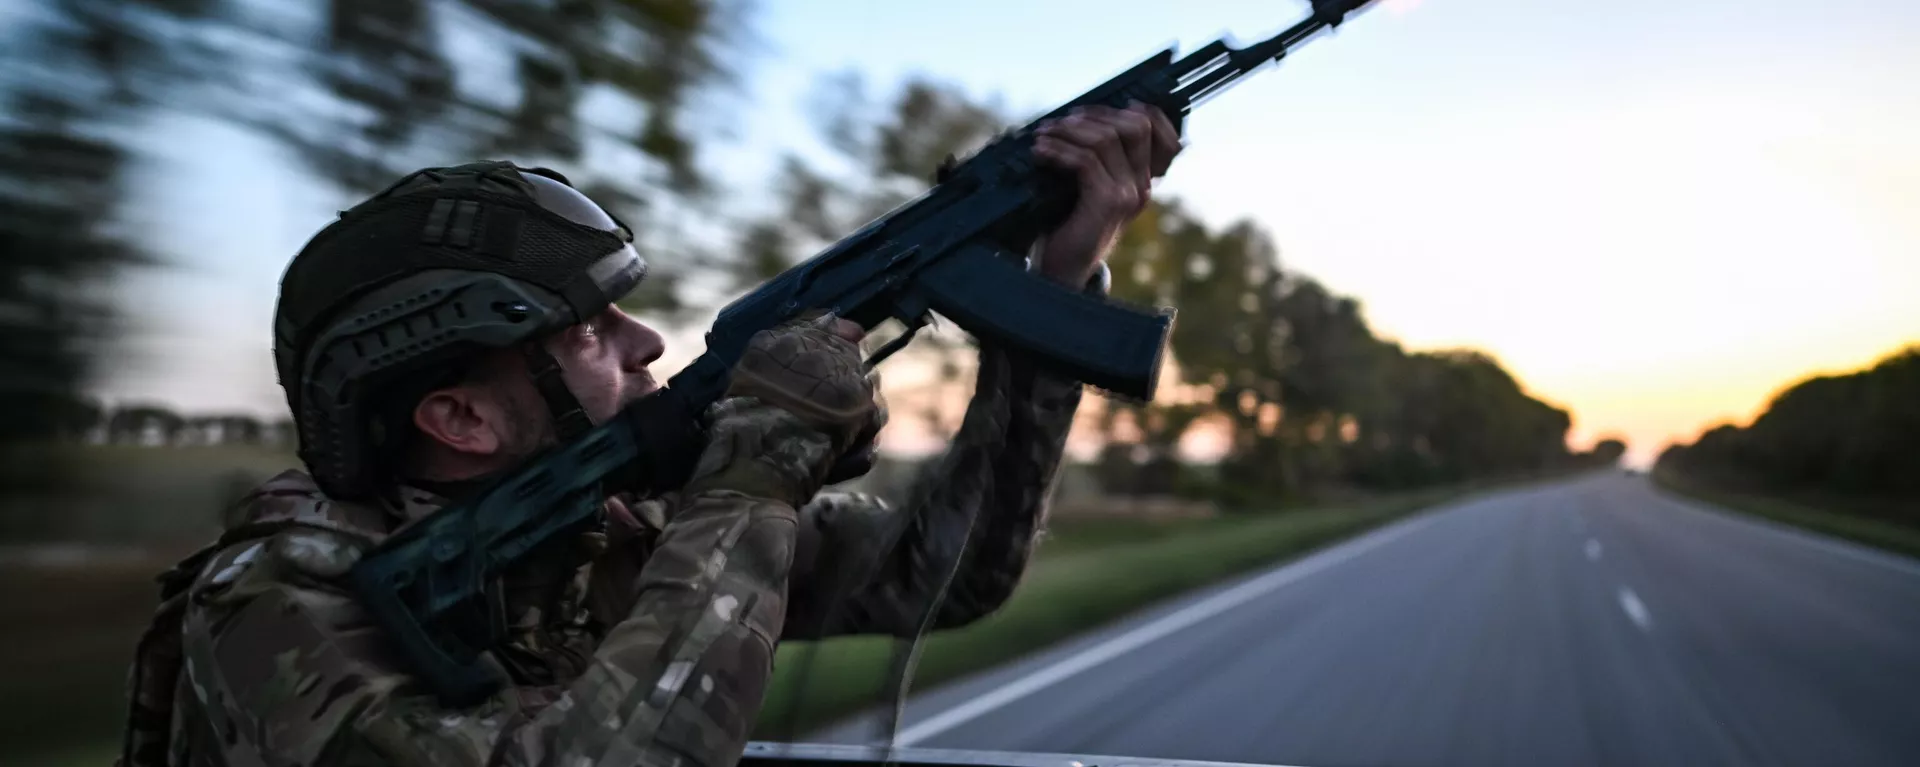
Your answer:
<point x="596" y="323"/>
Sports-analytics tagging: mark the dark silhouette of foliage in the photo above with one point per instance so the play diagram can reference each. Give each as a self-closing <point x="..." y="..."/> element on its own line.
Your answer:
<point x="360" y="90"/>
<point x="1311" y="399"/>
<point x="1855" y="435"/>
<point x="357" y="92"/>
<point x="1308" y="396"/>
<point x="1608" y="452"/>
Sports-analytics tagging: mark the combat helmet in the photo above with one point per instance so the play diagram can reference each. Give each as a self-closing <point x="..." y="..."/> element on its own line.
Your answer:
<point x="393" y="298"/>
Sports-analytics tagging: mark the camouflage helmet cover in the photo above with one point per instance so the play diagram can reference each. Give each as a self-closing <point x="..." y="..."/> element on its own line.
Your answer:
<point x="403" y="287"/>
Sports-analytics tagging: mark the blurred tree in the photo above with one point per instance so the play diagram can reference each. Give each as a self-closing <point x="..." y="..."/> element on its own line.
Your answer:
<point x="1168" y="257"/>
<point x="227" y="429"/>
<point x="62" y="170"/>
<point x="278" y="433"/>
<point x="1310" y="396"/>
<point x="75" y="78"/>
<point x="603" y="91"/>
<point x="58" y="194"/>
<point x="1607" y="452"/>
<point x="360" y="90"/>
<point x="241" y="429"/>
<point x="1855" y="435"/>
<point x="1480" y="421"/>
<point x="881" y="153"/>
<point x="614" y="78"/>
<point x="145" y="424"/>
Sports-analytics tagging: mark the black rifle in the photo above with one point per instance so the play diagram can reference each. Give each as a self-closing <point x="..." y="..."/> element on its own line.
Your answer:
<point x="959" y="249"/>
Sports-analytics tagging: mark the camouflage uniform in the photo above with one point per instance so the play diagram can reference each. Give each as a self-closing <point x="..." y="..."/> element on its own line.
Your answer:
<point x="657" y="652"/>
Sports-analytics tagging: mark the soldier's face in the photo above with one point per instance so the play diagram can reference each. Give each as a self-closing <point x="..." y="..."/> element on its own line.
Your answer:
<point x="499" y="418"/>
<point x="605" y="361"/>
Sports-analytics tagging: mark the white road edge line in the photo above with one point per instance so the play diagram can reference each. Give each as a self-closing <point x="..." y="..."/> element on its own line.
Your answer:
<point x="1630" y="603"/>
<point x="1593" y="550"/>
<point x="1845" y="548"/>
<point x="1168" y="624"/>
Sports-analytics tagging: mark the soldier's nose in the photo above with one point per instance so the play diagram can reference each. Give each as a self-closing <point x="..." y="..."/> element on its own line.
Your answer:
<point x="648" y="345"/>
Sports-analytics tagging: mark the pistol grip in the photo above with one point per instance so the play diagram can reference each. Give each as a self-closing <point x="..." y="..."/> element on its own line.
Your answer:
<point x="460" y="678"/>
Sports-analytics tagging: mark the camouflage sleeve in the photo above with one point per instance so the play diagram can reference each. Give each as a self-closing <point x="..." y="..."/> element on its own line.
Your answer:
<point x="291" y="672"/>
<point x="863" y="567"/>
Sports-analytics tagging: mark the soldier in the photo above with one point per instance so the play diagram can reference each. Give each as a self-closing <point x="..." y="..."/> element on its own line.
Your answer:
<point x="650" y="640"/>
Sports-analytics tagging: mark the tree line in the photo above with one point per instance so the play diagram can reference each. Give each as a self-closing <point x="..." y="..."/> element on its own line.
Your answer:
<point x="1850" y="436"/>
<point x="1308" y="396"/>
<point x="1288" y="372"/>
<point x="354" y="92"/>
<point x="86" y="421"/>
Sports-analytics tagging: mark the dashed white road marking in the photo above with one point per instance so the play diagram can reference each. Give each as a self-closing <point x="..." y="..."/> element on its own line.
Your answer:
<point x="1635" y="609"/>
<point x="1593" y="550"/>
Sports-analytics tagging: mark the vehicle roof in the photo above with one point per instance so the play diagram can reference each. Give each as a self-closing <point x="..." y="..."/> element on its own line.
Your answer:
<point x="770" y="754"/>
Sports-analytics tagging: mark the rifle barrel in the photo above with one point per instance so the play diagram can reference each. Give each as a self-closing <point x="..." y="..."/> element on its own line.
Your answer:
<point x="1239" y="62"/>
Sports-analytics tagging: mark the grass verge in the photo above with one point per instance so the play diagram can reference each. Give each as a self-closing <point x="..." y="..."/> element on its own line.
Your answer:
<point x="1072" y="588"/>
<point x="1865" y="530"/>
<point x="71" y="634"/>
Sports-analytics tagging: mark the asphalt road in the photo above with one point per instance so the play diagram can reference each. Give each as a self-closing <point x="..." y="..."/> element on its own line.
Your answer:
<point x="1593" y="622"/>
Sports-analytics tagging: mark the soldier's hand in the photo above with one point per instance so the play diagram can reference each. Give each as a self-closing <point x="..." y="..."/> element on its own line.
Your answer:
<point x="1114" y="154"/>
<point x="798" y="403"/>
<point x="859" y="459"/>
<point x="812" y="369"/>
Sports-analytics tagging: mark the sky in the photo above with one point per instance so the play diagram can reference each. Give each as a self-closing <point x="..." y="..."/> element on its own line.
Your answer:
<point x="1654" y="214"/>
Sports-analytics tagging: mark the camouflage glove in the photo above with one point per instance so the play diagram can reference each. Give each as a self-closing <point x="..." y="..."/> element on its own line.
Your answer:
<point x="803" y="368"/>
<point x="799" y="402"/>
<point x="856" y="461"/>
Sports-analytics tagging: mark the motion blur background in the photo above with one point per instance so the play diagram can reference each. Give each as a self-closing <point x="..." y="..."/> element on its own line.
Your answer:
<point x="1669" y="237"/>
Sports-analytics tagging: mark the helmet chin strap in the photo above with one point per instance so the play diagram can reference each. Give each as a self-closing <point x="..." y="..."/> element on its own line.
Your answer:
<point x="569" y="420"/>
<point x="569" y="417"/>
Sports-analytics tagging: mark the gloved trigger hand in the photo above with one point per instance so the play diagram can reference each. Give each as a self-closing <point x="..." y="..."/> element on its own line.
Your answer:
<point x="806" y="369"/>
<point x="860" y="457"/>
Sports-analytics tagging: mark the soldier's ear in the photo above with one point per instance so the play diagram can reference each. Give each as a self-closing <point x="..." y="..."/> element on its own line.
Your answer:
<point x="463" y="419"/>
